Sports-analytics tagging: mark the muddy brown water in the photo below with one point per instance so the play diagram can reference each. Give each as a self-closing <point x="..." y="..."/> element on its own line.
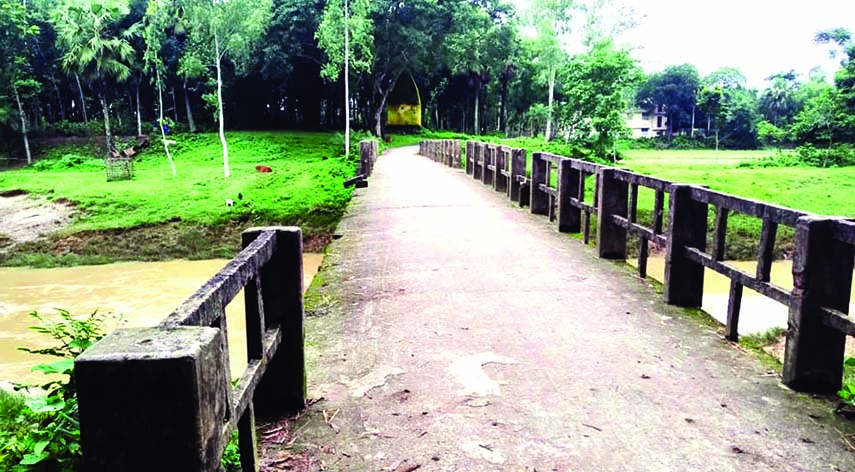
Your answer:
<point x="758" y="313"/>
<point x="143" y="293"/>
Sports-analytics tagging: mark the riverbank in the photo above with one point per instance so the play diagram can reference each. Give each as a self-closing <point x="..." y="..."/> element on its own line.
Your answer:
<point x="277" y="178"/>
<point x="139" y="294"/>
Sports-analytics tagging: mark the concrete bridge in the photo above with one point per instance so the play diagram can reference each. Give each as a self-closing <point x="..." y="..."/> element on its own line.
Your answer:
<point x="454" y="330"/>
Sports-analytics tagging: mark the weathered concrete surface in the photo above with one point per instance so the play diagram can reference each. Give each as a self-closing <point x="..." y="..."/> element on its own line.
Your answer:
<point x="473" y="336"/>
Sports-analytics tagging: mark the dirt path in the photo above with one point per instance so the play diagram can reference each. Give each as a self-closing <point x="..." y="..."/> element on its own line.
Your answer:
<point x="25" y="218"/>
<point x="467" y="335"/>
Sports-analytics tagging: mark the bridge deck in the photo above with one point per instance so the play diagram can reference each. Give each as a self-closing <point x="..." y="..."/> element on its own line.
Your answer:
<point x="462" y="333"/>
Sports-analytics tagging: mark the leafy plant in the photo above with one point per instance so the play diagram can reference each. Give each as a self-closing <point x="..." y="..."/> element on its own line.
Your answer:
<point x="847" y="392"/>
<point x="231" y="455"/>
<point x="47" y="431"/>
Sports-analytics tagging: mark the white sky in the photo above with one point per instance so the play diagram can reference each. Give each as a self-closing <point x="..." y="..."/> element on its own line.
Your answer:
<point x="759" y="37"/>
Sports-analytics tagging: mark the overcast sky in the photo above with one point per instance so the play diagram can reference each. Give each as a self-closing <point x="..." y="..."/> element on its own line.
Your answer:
<point x="759" y="37"/>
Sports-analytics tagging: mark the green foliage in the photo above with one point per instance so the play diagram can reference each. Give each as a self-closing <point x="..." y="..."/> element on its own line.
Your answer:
<point x="70" y="128"/>
<point x="837" y="155"/>
<point x="69" y="161"/>
<point x="596" y="86"/>
<point x="675" y="89"/>
<point x="330" y="36"/>
<point x="231" y="455"/>
<point x="847" y="391"/>
<point x="44" y="432"/>
<point x="760" y="340"/>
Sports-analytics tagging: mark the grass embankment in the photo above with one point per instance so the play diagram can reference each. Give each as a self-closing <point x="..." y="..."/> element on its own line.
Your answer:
<point x="155" y="216"/>
<point x="822" y="191"/>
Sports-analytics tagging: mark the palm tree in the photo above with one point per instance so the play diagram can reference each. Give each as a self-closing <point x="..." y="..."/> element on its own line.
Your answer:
<point x="96" y="49"/>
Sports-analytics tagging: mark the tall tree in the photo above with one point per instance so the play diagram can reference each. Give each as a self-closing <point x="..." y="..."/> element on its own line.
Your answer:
<point x="675" y="90"/>
<point x="596" y="90"/>
<point x="348" y="19"/>
<point x="97" y="49"/>
<point x="16" y="77"/>
<point x="711" y="102"/>
<point x="552" y="19"/>
<point x="219" y="31"/>
<point x="160" y="15"/>
<point x="473" y="47"/>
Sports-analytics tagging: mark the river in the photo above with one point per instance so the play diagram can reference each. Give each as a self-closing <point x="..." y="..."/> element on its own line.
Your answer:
<point x="758" y="313"/>
<point x="143" y="293"/>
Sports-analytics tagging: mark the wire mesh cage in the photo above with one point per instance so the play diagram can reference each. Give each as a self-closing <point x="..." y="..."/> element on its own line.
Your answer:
<point x="119" y="168"/>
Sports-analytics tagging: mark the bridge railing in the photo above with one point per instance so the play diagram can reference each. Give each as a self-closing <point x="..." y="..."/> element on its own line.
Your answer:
<point x="446" y="151"/>
<point x="822" y="264"/>
<point x="819" y="304"/>
<point x="628" y="219"/>
<point x="161" y="398"/>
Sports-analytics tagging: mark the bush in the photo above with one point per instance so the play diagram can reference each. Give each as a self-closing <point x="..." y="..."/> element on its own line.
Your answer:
<point x="71" y="128"/>
<point x="44" y="432"/>
<point x="836" y="156"/>
<point x="780" y="159"/>
<point x="68" y="161"/>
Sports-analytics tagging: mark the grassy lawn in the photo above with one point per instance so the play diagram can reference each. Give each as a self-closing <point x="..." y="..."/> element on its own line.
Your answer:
<point x="821" y="191"/>
<point x="156" y="216"/>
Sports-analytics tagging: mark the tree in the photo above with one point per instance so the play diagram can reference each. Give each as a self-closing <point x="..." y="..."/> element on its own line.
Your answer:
<point x="596" y="89"/>
<point x="552" y="19"/>
<point x="403" y="33"/>
<point x="96" y="48"/>
<point x="473" y="47"/>
<point x="675" y="90"/>
<point x="351" y="21"/>
<point x="778" y="102"/>
<point x="220" y="31"/>
<point x="160" y="14"/>
<point x="711" y="102"/>
<point x="16" y="35"/>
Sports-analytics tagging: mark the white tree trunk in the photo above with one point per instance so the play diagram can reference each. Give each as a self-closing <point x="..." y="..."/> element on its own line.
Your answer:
<point x="139" y="114"/>
<point x="220" y="108"/>
<point x="82" y="103"/>
<point x="549" y="105"/>
<point x="346" y="83"/>
<point x="477" y="105"/>
<point x="160" y="125"/>
<point x="110" y="147"/>
<point x="24" y="127"/>
<point x="190" y="122"/>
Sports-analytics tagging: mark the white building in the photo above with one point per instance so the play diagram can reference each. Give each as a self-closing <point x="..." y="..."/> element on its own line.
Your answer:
<point x="646" y="124"/>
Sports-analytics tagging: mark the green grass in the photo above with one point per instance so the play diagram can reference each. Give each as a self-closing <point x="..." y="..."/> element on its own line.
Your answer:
<point x="304" y="189"/>
<point x="821" y="191"/>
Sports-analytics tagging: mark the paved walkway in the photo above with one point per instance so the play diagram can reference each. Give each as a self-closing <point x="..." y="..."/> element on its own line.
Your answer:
<point x="464" y="334"/>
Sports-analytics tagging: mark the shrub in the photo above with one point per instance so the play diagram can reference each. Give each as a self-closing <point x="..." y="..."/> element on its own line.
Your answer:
<point x="44" y="431"/>
<point x="836" y="156"/>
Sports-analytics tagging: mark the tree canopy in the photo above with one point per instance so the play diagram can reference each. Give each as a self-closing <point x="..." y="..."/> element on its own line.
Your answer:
<point x="477" y="66"/>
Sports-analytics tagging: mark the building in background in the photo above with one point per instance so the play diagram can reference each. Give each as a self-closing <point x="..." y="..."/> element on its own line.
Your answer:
<point x="647" y="124"/>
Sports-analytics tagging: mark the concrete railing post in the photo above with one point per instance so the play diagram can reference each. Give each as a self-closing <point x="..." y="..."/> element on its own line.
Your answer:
<point x="687" y="227"/>
<point x="500" y="180"/>
<point x="489" y="159"/>
<point x="283" y="387"/>
<point x="457" y="157"/>
<point x="470" y="157"/>
<point x="569" y="217"/>
<point x="539" y="200"/>
<point x="478" y="163"/>
<point x="822" y="277"/>
<point x="517" y="170"/>
<point x="613" y="195"/>
<point x="153" y="399"/>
